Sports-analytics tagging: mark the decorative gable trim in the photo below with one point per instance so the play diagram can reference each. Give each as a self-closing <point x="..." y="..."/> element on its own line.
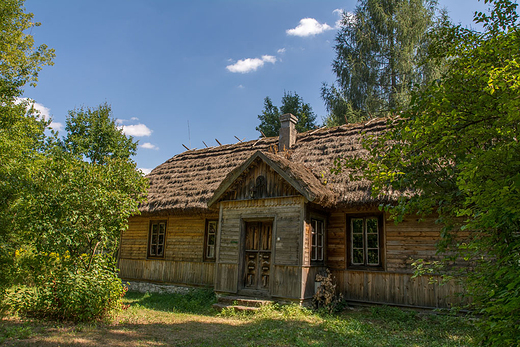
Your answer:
<point x="303" y="181"/>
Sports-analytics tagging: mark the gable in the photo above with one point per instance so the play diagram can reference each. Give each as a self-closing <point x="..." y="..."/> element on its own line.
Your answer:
<point x="269" y="175"/>
<point x="258" y="181"/>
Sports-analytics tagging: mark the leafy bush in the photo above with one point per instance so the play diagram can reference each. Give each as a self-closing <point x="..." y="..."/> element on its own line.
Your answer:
<point x="72" y="293"/>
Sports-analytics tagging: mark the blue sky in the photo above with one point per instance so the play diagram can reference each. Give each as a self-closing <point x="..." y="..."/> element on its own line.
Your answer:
<point x="183" y="72"/>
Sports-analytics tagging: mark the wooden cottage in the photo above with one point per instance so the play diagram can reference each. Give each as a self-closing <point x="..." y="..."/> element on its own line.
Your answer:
<point x="262" y="218"/>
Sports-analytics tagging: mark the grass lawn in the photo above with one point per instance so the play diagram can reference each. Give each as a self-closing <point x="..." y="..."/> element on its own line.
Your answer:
<point x="189" y="320"/>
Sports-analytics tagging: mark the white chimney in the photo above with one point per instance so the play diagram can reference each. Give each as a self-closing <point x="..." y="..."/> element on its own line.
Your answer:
<point x="287" y="132"/>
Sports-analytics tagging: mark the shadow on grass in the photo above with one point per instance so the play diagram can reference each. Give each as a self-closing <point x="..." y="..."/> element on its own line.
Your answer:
<point x="285" y="326"/>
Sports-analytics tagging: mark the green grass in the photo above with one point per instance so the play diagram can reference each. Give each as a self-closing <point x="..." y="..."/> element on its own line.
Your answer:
<point x="189" y="320"/>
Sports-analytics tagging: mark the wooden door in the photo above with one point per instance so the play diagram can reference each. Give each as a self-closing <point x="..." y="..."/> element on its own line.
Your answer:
<point x="258" y="241"/>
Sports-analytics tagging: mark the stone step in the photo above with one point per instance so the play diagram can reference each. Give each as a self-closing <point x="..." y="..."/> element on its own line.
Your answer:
<point x="243" y="301"/>
<point x="237" y="308"/>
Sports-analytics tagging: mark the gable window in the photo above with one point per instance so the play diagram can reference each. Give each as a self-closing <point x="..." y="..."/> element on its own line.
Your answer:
<point x="365" y="241"/>
<point x="318" y="240"/>
<point x="210" y="240"/>
<point x="156" y="240"/>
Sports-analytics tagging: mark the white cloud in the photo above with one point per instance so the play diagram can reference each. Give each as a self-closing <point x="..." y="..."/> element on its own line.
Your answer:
<point x="241" y="87"/>
<point x="281" y="51"/>
<point x="134" y="119"/>
<point x="145" y="171"/>
<point x="308" y="27"/>
<point x="148" y="145"/>
<point x="250" y="64"/>
<point x="137" y="130"/>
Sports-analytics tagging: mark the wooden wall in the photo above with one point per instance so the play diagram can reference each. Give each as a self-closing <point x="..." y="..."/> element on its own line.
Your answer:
<point x="287" y="216"/>
<point x="175" y="272"/>
<point x="395" y="288"/>
<point x="183" y="255"/>
<point x="402" y="244"/>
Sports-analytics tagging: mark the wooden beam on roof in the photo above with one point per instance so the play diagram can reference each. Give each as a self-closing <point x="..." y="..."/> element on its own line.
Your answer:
<point x="218" y="142"/>
<point x="205" y="144"/>
<point x="185" y="147"/>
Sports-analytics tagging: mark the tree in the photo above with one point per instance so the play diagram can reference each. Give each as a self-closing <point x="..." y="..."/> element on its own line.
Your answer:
<point x="20" y="61"/>
<point x="291" y="103"/>
<point x="379" y="52"/>
<point x="21" y="130"/>
<point x="70" y="221"/>
<point x="456" y="146"/>
<point x="92" y="133"/>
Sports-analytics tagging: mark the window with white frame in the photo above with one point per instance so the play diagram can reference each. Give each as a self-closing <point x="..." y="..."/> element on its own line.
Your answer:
<point x="365" y="241"/>
<point x="318" y="240"/>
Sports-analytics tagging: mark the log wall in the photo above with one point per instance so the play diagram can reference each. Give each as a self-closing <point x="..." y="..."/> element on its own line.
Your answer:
<point x="183" y="254"/>
<point x="402" y="244"/>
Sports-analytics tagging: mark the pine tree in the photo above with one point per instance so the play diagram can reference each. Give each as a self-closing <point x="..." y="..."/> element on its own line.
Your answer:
<point x="291" y="103"/>
<point x="379" y="58"/>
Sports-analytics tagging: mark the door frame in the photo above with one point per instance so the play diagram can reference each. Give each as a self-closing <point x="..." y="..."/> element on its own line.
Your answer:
<point x="242" y="255"/>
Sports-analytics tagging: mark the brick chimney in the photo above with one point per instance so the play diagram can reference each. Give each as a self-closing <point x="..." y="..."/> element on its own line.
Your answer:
<point x="287" y="132"/>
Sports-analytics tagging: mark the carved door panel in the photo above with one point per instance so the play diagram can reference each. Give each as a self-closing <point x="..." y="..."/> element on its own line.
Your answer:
<point x="258" y="242"/>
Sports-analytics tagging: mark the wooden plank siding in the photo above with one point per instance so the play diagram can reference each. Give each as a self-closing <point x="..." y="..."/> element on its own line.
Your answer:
<point x="393" y="284"/>
<point x="286" y="215"/>
<point x="173" y="272"/>
<point x="395" y="289"/>
<point x="183" y="255"/>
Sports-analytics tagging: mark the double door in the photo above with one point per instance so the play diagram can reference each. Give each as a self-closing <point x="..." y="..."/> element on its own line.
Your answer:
<point x="258" y="243"/>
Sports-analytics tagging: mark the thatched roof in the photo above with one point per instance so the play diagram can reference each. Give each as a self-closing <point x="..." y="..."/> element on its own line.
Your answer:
<point x="189" y="180"/>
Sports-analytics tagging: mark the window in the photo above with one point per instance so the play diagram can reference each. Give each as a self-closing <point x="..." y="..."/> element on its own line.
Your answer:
<point x="210" y="240"/>
<point x="157" y="238"/>
<point x="365" y="241"/>
<point x="317" y="240"/>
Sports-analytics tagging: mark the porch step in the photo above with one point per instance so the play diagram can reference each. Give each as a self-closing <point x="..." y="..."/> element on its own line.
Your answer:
<point x="240" y="303"/>
<point x="237" y="308"/>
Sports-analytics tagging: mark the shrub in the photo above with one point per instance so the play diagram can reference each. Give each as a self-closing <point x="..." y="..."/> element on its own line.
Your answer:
<point x="71" y="293"/>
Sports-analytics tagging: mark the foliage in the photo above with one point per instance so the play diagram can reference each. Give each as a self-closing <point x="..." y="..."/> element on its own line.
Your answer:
<point x="76" y="209"/>
<point x="326" y="297"/>
<point x="69" y="292"/>
<point x="291" y="103"/>
<point x="21" y="130"/>
<point x="81" y="207"/>
<point x="456" y="147"/>
<point x="379" y="58"/>
<point x="20" y="61"/>
<point x="52" y="201"/>
<point x="92" y="133"/>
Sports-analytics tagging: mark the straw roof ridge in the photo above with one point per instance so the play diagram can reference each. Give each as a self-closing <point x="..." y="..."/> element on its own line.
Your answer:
<point x="187" y="181"/>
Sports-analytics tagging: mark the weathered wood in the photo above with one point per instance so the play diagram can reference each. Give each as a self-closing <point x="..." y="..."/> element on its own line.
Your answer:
<point x="258" y="181"/>
<point x="189" y="273"/>
<point x="395" y="288"/>
<point x="284" y="214"/>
